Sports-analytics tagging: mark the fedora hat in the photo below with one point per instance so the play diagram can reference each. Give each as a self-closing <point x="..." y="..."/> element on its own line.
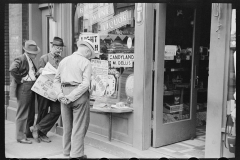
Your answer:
<point x="31" y="47"/>
<point x="57" y="41"/>
<point x="89" y="44"/>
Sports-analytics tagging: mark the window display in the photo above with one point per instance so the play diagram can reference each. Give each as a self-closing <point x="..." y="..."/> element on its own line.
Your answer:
<point x="110" y="26"/>
<point x="177" y="64"/>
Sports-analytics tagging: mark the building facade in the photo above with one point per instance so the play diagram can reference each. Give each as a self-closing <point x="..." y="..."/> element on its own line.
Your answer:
<point x="168" y="62"/>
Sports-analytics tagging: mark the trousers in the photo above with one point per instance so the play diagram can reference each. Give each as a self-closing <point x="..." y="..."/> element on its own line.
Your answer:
<point x="46" y="120"/>
<point x="26" y="109"/>
<point x="76" y="117"/>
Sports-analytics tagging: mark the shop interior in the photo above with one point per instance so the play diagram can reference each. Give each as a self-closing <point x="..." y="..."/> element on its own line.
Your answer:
<point x="177" y="67"/>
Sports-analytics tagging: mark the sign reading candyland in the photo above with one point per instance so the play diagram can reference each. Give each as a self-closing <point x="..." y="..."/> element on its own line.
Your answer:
<point x="121" y="60"/>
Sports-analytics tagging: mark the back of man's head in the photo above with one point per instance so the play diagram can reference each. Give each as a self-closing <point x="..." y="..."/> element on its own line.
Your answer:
<point x="84" y="51"/>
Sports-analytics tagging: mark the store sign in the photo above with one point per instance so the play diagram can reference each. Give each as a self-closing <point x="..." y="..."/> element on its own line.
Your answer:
<point x="95" y="38"/>
<point x="121" y="60"/>
<point x="116" y="22"/>
<point x="99" y="77"/>
<point x="94" y="13"/>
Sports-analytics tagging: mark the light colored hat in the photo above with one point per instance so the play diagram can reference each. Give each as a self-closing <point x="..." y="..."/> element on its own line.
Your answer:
<point x="31" y="47"/>
<point x="89" y="44"/>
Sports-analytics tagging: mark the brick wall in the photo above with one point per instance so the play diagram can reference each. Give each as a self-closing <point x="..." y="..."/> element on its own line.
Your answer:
<point x="18" y="31"/>
<point x="15" y="31"/>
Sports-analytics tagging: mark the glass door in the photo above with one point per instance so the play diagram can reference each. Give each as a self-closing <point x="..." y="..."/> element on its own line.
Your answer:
<point x="175" y="78"/>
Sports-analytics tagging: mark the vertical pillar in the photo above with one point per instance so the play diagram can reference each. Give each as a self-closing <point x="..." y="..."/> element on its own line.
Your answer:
<point x="218" y="76"/>
<point x="143" y="60"/>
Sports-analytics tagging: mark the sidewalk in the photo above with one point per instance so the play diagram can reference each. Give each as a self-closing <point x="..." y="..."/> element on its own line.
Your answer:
<point x="99" y="147"/>
<point x="42" y="150"/>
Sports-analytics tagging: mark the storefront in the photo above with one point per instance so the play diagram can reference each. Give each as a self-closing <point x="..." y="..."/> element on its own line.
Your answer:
<point x="167" y="62"/>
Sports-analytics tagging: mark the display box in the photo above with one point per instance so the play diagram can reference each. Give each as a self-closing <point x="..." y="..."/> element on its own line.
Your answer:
<point x="172" y="108"/>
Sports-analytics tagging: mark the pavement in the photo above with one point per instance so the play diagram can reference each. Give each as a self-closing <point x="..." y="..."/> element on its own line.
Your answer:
<point x="42" y="150"/>
<point x="96" y="146"/>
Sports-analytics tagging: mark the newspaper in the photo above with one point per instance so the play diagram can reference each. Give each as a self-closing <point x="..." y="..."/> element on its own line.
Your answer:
<point x="44" y="84"/>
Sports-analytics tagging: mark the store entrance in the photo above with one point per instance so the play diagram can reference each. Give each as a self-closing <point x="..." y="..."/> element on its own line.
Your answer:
<point x="181" y="73"/>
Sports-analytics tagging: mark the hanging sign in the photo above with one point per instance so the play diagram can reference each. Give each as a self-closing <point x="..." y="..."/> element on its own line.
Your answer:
<point x="99" y="77"/>
<point x="121" y="60"/>
<point x="95" y="38"/>
<point x="116" y="22"/>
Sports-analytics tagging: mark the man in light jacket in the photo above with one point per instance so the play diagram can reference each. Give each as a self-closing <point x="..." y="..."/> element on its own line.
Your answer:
<point x="72" y="82"/>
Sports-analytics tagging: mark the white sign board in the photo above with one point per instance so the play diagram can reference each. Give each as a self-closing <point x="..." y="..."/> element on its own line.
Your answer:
<point x="121" y="60"/>
<point x="94" y="38"/>
<point x="99" y="76"/>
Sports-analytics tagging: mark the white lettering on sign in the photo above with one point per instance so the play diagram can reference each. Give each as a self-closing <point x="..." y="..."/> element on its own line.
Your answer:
<point x="121" y="60"/>
<point x="95" y="12"/>
<point x="116" y="22"/>
<point x="95" y="38"/>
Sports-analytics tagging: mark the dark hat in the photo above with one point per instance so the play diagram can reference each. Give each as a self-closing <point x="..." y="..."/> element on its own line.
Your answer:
<point x="31" y="47"/>
<point x="57" y="41"/>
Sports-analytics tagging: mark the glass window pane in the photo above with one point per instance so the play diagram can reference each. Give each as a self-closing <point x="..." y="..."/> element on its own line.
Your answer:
<point x="177" y="64"/>
<point x="110" y="26"/>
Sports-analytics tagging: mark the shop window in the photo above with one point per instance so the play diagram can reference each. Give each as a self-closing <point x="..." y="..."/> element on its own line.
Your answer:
<point x="110" y="26"/>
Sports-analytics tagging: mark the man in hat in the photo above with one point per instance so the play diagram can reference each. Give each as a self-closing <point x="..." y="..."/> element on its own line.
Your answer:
<point x="72" y="82"/>
<point x="46" y="120"/>
<point x="23" y="71"/>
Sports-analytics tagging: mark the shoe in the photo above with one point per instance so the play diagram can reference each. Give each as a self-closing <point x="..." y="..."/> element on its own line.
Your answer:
<point x="45" y="139"/>
<point x="24" y="141"/>
<point x="35" y="135"/>
<point x="83" y="157"/>
<point x="34" y="131"/>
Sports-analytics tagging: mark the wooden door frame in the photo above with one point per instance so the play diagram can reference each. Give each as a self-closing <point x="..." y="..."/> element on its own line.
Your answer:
<point x="217" y="80"/>
<point x="143" y="65"/>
